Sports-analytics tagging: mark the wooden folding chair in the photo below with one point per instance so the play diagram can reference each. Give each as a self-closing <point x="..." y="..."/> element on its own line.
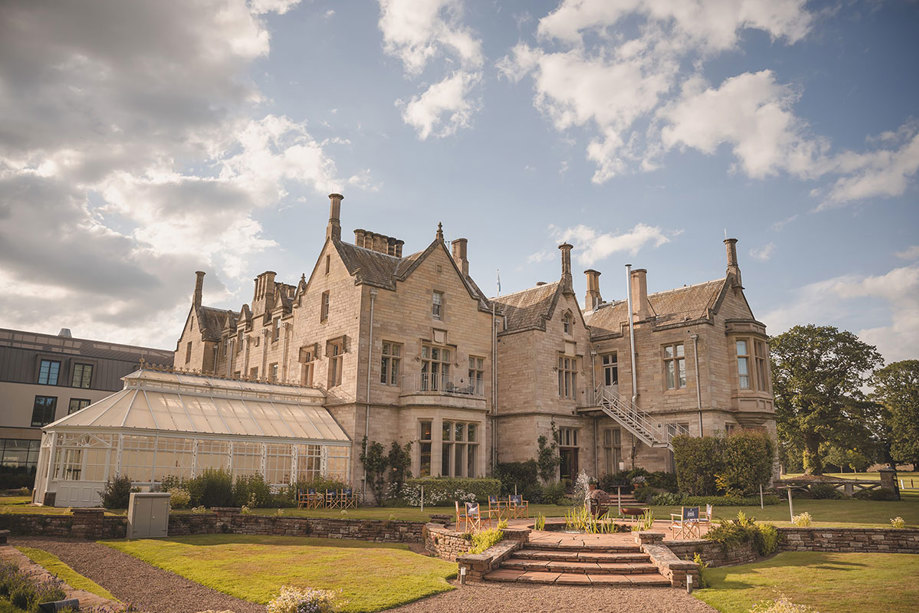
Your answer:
<point x="686" y="521"/>
<point x="469" y="516"/>
<point x="497" y="508"/>
<point x="706" y="518"/>
<point x="348" y="499"/>
<point x="332" y="500"/>
<point x="518" y="506"/>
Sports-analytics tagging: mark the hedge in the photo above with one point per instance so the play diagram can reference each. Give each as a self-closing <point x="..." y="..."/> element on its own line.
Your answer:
<point x="521" y="478"/>
<point x="440" y="490"/>
<point x="735" y="465"/>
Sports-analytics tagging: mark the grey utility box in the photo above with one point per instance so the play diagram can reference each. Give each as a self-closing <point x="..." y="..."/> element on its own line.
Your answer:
<point x="148" y="515"/>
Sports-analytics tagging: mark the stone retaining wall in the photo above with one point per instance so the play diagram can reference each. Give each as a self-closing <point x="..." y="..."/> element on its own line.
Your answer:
<point x="667" y="562"/>
<point x="713" y="553"/>
<point x="857" y="540"/>
<point x="93" y="525"/>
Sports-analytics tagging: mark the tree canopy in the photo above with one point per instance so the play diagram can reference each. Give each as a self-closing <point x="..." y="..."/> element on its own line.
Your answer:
<point x="896" y="388"/>
<point x="818" y="373"/>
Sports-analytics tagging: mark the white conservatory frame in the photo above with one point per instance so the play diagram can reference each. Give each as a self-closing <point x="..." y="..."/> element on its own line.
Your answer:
<point x="178" y="424"/>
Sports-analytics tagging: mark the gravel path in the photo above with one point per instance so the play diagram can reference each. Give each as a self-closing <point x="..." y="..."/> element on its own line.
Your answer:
<point x="502" y="597"/>
<point x="150" y="589"/>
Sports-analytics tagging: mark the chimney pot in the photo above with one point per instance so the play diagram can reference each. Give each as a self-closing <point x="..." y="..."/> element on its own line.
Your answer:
<point x="333" y="230"/>
<point x="566" y="267"/>
<point x="459" y="255"/>
<point x="199" y="288"/>
<point x="639" y="290"/>
<point x="733" y="268"/>
<point x="593" y="299"/>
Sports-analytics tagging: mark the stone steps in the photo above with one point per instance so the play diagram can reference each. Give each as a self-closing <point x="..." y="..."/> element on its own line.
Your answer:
<point x="580" y="556"/>
<point x="586" y="564"/>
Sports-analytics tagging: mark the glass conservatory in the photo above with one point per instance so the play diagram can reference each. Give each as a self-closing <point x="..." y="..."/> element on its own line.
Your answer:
<point x="168" y="423"/>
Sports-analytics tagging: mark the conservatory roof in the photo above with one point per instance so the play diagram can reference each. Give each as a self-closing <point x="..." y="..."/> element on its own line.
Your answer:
<point x="179" y="402"/>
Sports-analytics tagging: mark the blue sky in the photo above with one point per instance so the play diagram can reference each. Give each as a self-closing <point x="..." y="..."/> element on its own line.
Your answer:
<point x="141" y="142"/>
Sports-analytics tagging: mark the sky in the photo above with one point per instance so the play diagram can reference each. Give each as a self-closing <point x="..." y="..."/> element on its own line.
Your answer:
<point x="142" y="141"/>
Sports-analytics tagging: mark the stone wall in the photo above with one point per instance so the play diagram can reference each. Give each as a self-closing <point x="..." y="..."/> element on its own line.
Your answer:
<point x="713" y="553"/>
<point x="92" y="524"/>
<point x="861" y="540"/>
<point x="668" y="563"/>
<point x="443" y="543"/>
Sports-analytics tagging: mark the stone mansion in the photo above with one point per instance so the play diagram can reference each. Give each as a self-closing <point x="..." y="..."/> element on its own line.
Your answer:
<point x="408" y="348"/>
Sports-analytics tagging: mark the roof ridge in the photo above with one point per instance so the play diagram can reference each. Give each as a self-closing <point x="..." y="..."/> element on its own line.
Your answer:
<point x="370" y="250"/>
<point x="529" y="289"/>
<point x="685" y="287"/>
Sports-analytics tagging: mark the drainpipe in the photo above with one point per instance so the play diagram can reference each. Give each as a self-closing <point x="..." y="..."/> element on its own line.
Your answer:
<point x="695" y="355"/>
<point x="593" y="382"/>
<point x="628" y="294"/>
<point x="494" y="389"/>
<point x="373" y="295"/>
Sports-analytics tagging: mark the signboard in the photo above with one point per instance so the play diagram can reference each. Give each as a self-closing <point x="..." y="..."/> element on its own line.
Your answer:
<point x="690" y="513"/>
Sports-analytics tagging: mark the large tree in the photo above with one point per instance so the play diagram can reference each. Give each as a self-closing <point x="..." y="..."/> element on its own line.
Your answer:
<point x="896" y="388"/>
<point x="818" y="373"/>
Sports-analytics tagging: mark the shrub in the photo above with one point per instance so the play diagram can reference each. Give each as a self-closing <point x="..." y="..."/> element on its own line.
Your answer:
<point x="117" y="493"/>
<point x="803" y="520"/>
<point x="440" y="490"/>
<point x="179" y="498"/>
<point x="825" y="491"/>
<point x="645" y="494"/>
<point x="540" y="523"/>
<point x="769" y="539"/>
<point x="667" y="499"/>
<point x="645" y="522"/>
<point x="881" y="493"/>
<point x="735" y="465"/>
<point x="212" y="488"/>
<point x="522" y="476"/>
<point x="764" y="537"/>
<point x="898" y="523"/>
<point x="251" y="490"/>
<point x="15" y="478"/>
<point x="554" y="493"/>
<point x="485" y="539"/>
<point x="730" y="501"/>
<point x="199" y="510"/>
<point x="702" y="564"/>
<point x="296" y="600"/>
<point x="662" y="480"/>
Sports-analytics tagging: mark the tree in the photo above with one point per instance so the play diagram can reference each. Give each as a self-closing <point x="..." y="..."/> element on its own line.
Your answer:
<point x="817" y="373"/>
<point x="399" y="460"/>
<point x="896" y="388"/>
<point x="547" y="456"/>
<point x="375" y="464"/>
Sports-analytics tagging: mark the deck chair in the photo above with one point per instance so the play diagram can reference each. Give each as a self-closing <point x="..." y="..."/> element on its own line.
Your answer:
<point x="497" y="508"/>
<point x="518" y="506"/>
<point x="469" y="516"/>
<point x="348" y="499"/>
<point x="706" y="518"/>
<point x="332" y="500"/>
<point x="686" y="522"/>
<point x="308" y="498"/>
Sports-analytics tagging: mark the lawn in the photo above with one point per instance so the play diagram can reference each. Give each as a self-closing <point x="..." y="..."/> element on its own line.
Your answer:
<point x="371" y="576"/>
<point x="55" y="566"/>
<point x="400" y="513"/>
<point x="828" y="582"/>
<point x="826" y="513"/>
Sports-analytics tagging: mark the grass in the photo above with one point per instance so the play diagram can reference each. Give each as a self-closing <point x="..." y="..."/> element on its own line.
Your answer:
<point x="849" y="513"/>
<point x="370" y="576"/>
<point x="828" y="582"/>
<point x="55" y="566"/>
<point x="400" y="513"/>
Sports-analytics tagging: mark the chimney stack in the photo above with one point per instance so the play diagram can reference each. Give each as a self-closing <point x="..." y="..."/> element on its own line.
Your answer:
<point x="566" y="267"/>
<point x="639" y="291"/>
<point x="593" y="299"/>
<point x="398" y="248"/>
<point x="730" y="245"/>
<point x="199" y="287"/>
<point x="359" y="237"/>
<point x="459" y="255"/>
<point x="333" y="230"/>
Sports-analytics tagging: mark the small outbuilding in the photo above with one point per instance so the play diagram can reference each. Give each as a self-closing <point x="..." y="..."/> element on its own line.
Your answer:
<point x="166" y="423"/>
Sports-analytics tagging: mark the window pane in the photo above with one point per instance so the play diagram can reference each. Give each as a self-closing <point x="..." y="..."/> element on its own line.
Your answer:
<point x="471" y="452"/>
<point x="682" y="370"/>
<point x="446" y="452"/>
<point x="741" y="347"/>
<point x="679" y="351"/>
<point x="448" y="427"/>
<point x="671" y="380"/>
<point x="471" y="434"/>
<point x="425" y="430"/>
<point x="459" y="463"/>
<point x="668" y="351"/>
<point x="459" y="432"/>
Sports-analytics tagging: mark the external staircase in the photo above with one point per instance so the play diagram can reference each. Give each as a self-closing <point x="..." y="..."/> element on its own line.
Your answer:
<point x="579" y="564"/>
<point x="636" y="421"/>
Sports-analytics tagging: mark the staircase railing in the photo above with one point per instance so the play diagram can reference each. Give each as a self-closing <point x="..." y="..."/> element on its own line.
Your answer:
<point x="636" y="421"/>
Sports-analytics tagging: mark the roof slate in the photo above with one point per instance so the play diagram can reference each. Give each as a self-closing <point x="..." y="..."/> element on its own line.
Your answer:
<point x="212" y="322"/>
<point x="669" y="307"/>
<point x="530" y="308"/>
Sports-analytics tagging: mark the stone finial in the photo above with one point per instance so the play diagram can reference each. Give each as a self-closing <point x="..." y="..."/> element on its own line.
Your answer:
<point x="440" y="232"/>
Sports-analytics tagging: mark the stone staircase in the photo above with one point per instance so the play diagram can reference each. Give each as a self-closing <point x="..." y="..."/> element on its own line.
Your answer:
<point x="612" y="565"/>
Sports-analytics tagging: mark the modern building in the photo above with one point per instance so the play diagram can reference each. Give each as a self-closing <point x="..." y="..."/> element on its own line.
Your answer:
<point x="407" y="348"/>
<point x="45" y="377"/>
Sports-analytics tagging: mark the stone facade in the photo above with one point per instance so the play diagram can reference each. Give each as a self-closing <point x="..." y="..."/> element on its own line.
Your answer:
<point x="409" y="349"/>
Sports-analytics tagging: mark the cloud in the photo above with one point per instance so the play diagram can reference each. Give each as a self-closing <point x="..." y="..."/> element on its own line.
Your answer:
<point x="443" y="108"/>
<point x="910" y="253"/>
<point x="591" y="246"/>
<point x="780" y="225"/>
<point x="628" y="74"/>
<point x="764" y="253"/>
<point x="893" y="296"/>
<point x="419" y="31"/>
<point x="133" y="153"/>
